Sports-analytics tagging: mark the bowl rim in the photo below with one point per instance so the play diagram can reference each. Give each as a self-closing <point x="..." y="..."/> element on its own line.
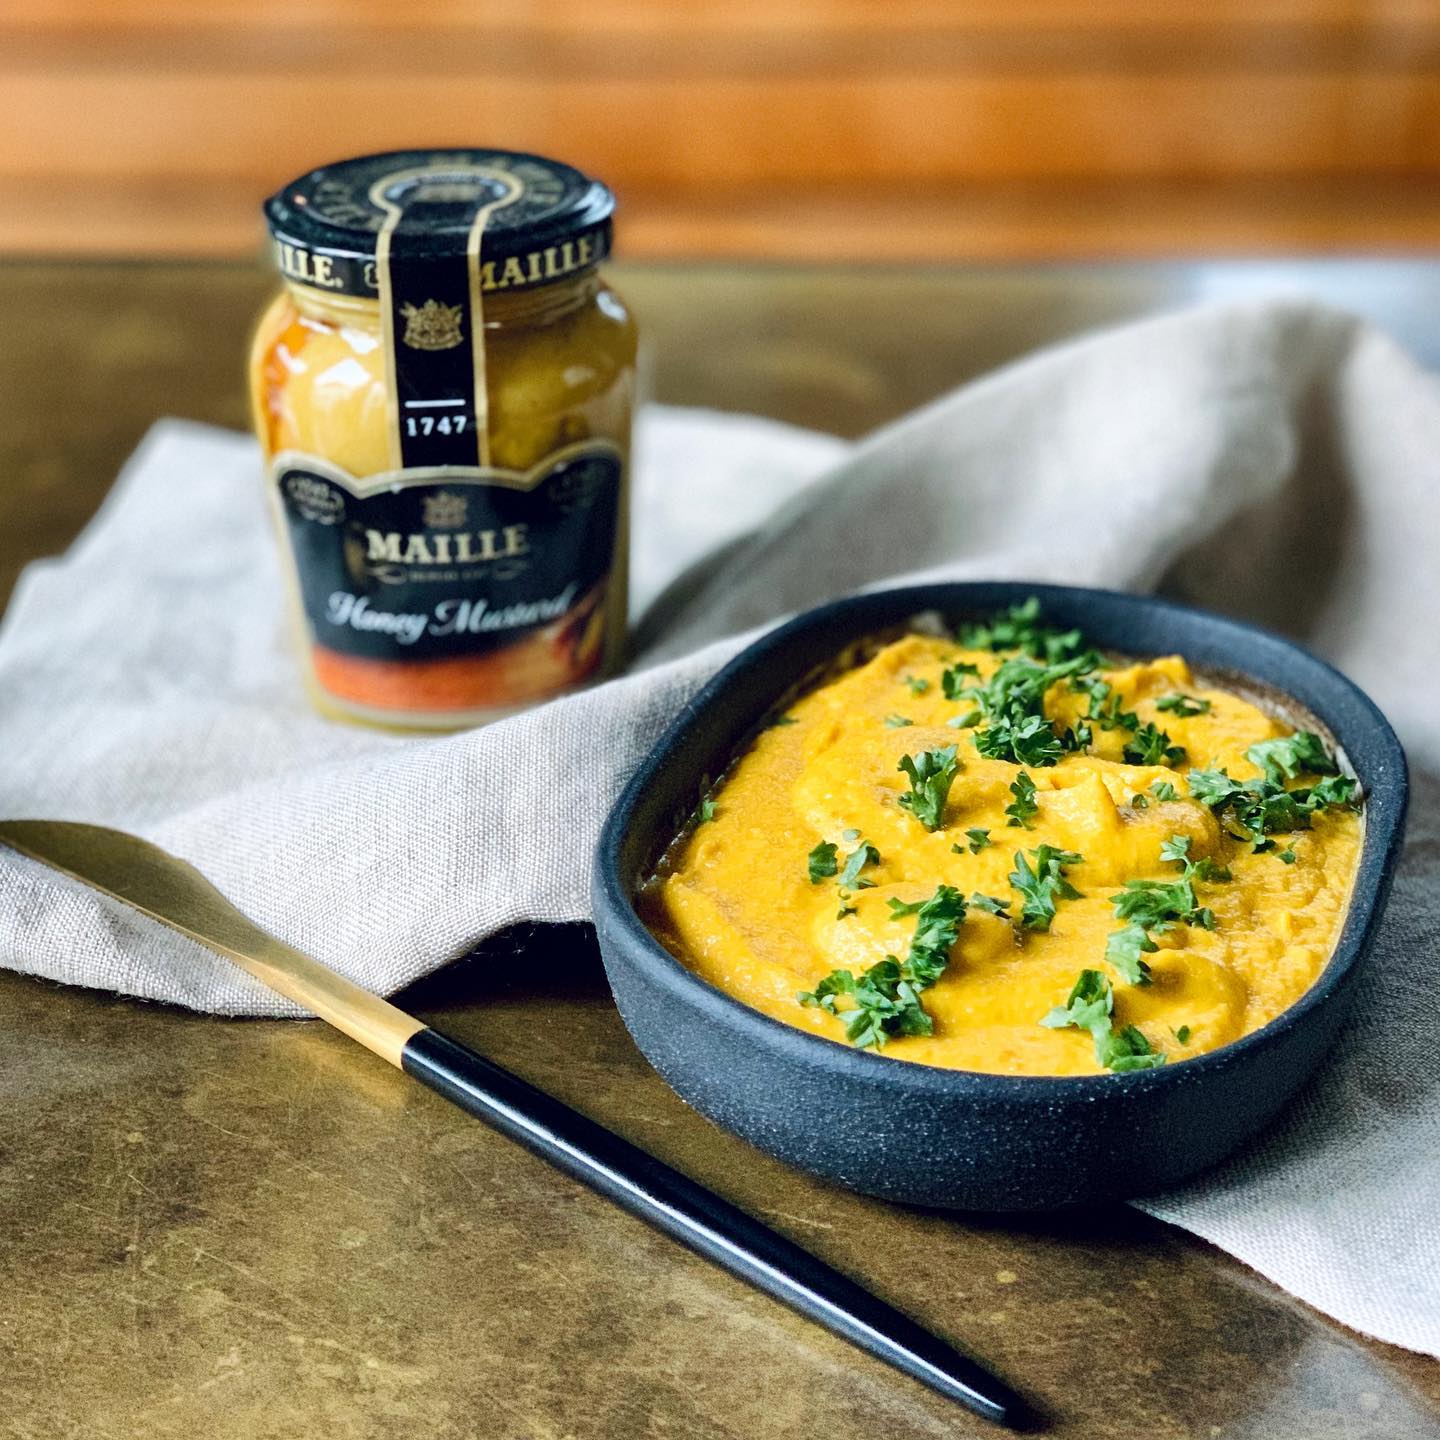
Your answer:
<point x="1385" y="807"/>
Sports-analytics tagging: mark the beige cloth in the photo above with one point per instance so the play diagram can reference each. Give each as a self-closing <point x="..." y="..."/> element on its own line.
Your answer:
<point x="1275" y="461"/>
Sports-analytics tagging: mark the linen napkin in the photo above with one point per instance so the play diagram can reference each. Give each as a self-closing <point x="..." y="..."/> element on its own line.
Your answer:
<point x="1277" y="461"/>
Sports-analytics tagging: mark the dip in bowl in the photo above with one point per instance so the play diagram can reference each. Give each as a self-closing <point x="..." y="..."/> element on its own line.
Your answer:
<point x="1105" y="892"/>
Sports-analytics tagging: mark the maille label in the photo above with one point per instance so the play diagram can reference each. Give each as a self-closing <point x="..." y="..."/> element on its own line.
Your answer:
<point x="426" y="564"/>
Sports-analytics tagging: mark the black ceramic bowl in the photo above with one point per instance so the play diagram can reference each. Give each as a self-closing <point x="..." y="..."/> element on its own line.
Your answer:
<point x="955" y="1138"/>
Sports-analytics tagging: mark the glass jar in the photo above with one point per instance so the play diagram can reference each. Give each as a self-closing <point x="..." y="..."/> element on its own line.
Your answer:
<point x="443" y="391"/>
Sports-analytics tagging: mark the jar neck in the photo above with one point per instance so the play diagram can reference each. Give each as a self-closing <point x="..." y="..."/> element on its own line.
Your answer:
<point x="503" y="309"/>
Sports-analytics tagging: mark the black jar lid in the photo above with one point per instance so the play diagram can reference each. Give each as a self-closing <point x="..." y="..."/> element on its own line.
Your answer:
<point x="544" y="220"/>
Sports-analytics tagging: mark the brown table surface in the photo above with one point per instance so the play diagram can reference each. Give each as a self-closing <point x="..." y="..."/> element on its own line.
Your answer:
<point x="226" y="1229"/>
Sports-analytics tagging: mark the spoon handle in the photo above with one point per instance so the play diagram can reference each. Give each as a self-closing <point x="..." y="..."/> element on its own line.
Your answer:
<point x="700" y="1220"/>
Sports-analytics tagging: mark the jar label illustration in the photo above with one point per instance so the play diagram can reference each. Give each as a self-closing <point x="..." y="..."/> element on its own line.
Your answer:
<point x="430" y="564"/>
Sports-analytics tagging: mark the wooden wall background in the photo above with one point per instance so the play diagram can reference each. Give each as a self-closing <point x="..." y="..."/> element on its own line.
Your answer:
<point x="833" y="129"/>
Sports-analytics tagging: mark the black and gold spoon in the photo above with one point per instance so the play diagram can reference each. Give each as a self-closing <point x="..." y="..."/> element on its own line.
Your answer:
<point x="169" y="890"/>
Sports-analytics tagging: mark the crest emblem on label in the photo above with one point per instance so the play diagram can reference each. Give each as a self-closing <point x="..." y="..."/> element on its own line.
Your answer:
<point x="445" y="510"/>
<point x="432" y="326"/>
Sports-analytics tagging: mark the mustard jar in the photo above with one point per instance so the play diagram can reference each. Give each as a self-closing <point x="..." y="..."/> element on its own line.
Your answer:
<point x="443" y="392"/>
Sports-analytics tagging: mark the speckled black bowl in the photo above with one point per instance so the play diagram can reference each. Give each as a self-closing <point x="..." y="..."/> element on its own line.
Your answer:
<point x="953" y="1138"/>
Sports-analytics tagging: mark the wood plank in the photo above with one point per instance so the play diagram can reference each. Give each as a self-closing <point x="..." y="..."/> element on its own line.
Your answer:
<point x="987" y="222"/>
<point x="756" y="18"/>
<point x="636" y="37"/>
<point x="679" y="133"/>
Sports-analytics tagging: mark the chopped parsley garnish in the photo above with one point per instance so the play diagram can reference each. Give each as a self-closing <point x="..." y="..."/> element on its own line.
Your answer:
<point x="1158" y="904"/>
<point x="967" y="721"/>
<point x="917" y="684"/>
<point x="1140" y="802"/>
<point x="1089" y="1007"/>
<point x="777" y="720"/>
<point x="1022" y="628"/>
<point x="1286" y="857"/>
<point x="885" y="1000"/>
<point x="931" y="773"/>
<point x="1041" y="885"/>
<point x="1251" y="809"/>
<point x="1183" y="1034"/>
<point x="1032" y="742"/>
<point x="1183" y="706"/>
<point x="705" y="810"/>
<point x="1151" y="907"/>
<point x="822" y="862"/>
<point x="1151" y="746"/>
<point x="1023" y="809"/>
<point x="1164" y="790"/>
<point x="1128" y="1049"/>
<point x="937" y="926"/>
<point x="1126" y="948"/>
<point x="979" y="839"/>
<point x="1089" y="1004"/>
<point x="953" y="679"/>
<point x="883" y="1003"/>
<point x="1303" y="753"/>
<point x="898" y="722"/>
<point x="990" y="905"/>
<point x="1012" y="702"/>
<point x="844" y="911"/>
<point x="862" y="855"/>
<point x="1176" y="851"/>
<point x="850" y="836"/>
<point x="1104" y="704"/>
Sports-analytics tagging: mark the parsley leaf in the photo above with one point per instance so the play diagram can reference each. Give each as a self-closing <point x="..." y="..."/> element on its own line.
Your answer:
<point x="931" y="773"/>
<point x="1184" y="706"/>
<point x="990" y="905"/>
<point x="979" y="839"/>
<point x="1302" y="753"/>
<point x="954" y="677"/>
<point x="1041" y="885"/>
<point x="705" y="810"/>
<point x="1089" y="1007"/>
<point x="1128" y="1050"/>
<point x="1022" y="628"/>
<point x="1157" y="904"/>
<point x="1012" y="701"/>
<point x="897" y="722"/>
<point x="822" y="862"/>
<point x="885" y="1000"/>
<point x="775" y="721"/>
<point x="1089" y="1004"/>
<point x="1104" y="704"/>
<point x="1125" y="950"/>
<point x="918" y="684"/>
<point x="1164" y="790"/>
<point x="862" y="855"/>
<point x="1023" y="809"/>
<point x="1150" y="907"/>
<point x="1032" y="742"/>
<point x="937" y="927"/>
<point x="1255" y="808"/>
<point x="1151" y="746"/>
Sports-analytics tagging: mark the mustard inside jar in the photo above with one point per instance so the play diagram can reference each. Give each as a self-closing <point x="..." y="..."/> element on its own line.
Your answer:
<point x="443" y="392"/>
